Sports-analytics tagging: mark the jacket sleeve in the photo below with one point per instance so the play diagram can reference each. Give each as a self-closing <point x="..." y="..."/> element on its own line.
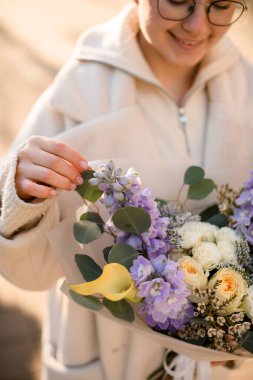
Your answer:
<point x="25" y="257"/>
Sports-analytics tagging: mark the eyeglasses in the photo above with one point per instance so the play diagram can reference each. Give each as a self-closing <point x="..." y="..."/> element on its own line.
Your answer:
<point x="219" y="12"/>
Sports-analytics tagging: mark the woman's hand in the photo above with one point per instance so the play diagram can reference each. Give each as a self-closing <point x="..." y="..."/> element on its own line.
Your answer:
<point x="45" y="165"/>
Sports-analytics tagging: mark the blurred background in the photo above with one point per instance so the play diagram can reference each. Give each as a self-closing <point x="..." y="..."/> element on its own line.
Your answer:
<point x="36" y="38"/>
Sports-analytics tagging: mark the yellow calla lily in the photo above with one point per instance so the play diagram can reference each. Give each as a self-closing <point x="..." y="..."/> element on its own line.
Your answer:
<point x="115" y="284"/>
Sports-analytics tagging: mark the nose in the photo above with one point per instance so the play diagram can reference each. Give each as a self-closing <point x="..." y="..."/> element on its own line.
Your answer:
<point x="197" y="23"/>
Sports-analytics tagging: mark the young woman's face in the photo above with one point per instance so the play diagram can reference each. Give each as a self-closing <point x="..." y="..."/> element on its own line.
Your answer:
<point x="182" y="43"/>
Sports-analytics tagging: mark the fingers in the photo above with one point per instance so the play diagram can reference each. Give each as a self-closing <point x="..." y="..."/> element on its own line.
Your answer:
<point x="30" y="189"/>
<point x="45" y="165"/>
<point x="64" y="151"/>
<point x="57" y="165"/>
<point x="46" y="176"/>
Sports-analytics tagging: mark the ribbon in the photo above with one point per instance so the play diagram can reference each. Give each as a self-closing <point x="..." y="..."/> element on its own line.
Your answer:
<point x="184" y="368"/>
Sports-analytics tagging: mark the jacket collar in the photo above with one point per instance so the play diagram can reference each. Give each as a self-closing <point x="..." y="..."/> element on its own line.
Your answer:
<point x="114" y="43"/>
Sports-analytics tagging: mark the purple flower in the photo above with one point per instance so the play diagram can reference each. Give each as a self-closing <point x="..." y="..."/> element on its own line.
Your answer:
<point x="164" y="293"/>
<point x="141" y="269"/>
<point x="243" y="212"/>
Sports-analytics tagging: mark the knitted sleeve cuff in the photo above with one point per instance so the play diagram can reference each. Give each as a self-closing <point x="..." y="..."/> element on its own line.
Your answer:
<point x="16" y="214"/>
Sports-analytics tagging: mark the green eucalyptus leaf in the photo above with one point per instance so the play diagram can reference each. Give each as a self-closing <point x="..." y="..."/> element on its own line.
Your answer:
<point x="95" y="218"/>
<point x="89" y="302"/>
<point x="193" y="175"/>
<point x="106" y="252"/>
<point x="89" y="269"/>
<point x="209" y="212"/>
<point x="219" y="220"/>
<point x="85" y="231"/>
<point x="122" y="254"/>
<point x="86" y="190"/>
<point x="132" y="219"/>
<point x="200" y="190"/>
<point x="247" y="342"/>
<point x="121" y="309"/>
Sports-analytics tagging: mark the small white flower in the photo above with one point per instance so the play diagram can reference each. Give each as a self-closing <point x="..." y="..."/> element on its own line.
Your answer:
<point x="193" y="233"/>
<point x="211" y="332"/>
<point x="220" y="334"/>
<point x="207" y="255"/>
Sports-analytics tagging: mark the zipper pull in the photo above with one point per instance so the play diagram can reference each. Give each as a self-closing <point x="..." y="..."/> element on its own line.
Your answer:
<point x="182" y="117"/>
<point x="183" y="121"/>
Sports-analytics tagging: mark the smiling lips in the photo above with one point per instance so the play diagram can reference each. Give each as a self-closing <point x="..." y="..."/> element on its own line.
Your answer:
<point x="185" y="43"/>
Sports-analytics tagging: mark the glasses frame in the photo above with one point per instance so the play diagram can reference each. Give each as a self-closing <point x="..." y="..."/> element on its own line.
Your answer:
<point x="208" y="7"/>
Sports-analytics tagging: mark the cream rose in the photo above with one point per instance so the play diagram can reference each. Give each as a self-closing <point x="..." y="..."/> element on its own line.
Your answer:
<point x="207" y="255"/>
<point x="228" y="252"/>
<point x="232" y="285"/>
<point x="248" y="303"/>
<point x="193" y="233"/>
<point x="194" y="274"/>
<point x="226" y="234"/>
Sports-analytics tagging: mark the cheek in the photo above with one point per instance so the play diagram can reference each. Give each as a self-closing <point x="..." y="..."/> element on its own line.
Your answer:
<point x="219" y="32"/>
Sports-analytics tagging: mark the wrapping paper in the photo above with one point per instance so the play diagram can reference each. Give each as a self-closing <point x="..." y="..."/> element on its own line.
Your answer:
<point x="163" y="186"/>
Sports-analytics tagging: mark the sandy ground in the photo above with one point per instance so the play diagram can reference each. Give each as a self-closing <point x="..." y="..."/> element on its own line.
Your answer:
<point x="36" y="38"/>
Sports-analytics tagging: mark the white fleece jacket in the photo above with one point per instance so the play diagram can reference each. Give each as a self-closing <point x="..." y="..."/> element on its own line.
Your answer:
<point x="107" y="103"/>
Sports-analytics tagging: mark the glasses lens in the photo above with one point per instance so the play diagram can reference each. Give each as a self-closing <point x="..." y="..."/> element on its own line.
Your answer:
<point x="175" y="10"/>
<point x="224" y="13"/>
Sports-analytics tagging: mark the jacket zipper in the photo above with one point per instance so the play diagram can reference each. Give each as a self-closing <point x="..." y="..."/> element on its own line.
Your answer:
<point x="183" y="124"/>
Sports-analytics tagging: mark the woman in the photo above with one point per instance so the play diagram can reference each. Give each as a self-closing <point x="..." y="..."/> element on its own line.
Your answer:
<point x="159" y="83"/>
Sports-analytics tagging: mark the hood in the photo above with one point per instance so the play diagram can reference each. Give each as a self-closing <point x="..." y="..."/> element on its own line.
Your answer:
<point x="114" y="43"/>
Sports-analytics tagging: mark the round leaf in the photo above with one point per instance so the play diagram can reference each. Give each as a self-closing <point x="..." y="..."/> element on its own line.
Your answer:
<point x="219" y="220"/>
<point x="86" y="301"/>
<point x="89" y="269"/>
<point x="201" y="190"/>
<point x="132" y="219"/>
<point x="95" y="218"/>
<point x="120" y="309"/>
<point x="85" y="231"/>
<point x="209" y="212"/>
<point x="247" y="342"/>
<point x="193" y="175"/>
<point x="86" y="190"/>
<point x="106" y="252"/>
<point x="122" y="254"/>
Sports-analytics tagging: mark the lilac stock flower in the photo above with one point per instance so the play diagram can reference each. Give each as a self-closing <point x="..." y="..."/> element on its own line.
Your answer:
<point x="141" y="269"/>
<point x="243" y="212"/>
<point x="121" y="191"/>
<point x="161" y="284"/>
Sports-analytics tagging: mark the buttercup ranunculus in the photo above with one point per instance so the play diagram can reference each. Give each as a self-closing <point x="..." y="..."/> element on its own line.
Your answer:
<point x="232" y="285"/>
<point x="195" y="277"/>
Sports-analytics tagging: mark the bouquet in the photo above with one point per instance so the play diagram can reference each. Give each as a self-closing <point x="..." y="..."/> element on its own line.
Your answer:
<point x="187" y="277"/>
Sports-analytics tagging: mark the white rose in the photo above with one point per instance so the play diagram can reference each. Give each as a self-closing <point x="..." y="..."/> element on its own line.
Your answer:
<point x="207" y="254"/>
<point x="193" y="233"/>
<point x="232" y="285"/>
<point x="227" y="234"/>
<point x="248" y="303"/>
<point x="194" y="274"/>
<point x="228" y="252"/>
